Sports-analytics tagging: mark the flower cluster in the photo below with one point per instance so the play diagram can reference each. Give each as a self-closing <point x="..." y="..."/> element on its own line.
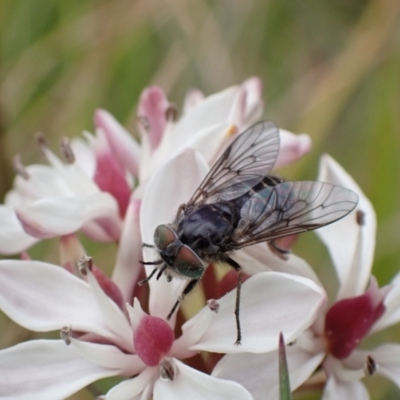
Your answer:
<point x="112" y="188"/>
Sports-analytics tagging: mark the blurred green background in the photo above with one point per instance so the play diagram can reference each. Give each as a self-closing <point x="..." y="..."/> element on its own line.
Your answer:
<point x="329" y="68"/>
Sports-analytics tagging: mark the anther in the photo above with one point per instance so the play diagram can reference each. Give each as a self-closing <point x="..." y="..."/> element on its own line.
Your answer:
<point x="85" y="263"/>
<point x="360" y="217"/>
<point x="144" y="122"/>
<point x="167" y="369"/>
<point x="66" y="334"/>
<point x="66" y="150"/>
<point x="213" y="305"/>
<point x="41" y="142"/>
<point x="19" y="168"/>
<point x="171" y="113"/>
<point x="370" y="366"/>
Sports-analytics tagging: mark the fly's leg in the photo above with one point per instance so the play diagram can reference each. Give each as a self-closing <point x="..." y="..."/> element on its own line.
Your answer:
<point x="189" y="287"/>
<point x="278" y="250"/>
<point x="238" y="268"/>
<point x="148" y="245"/>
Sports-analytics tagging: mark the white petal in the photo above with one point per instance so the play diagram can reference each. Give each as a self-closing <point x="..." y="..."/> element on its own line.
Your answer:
<point x="192" y="384"/>
<point x="114" y="317"/>
<point x="254" y="101"/>
<point x="51" y="217"/>
<point x="46" y="370"/>
<point x="127" y="267"/>
<point x="349" y="390"/>
<point x="293" y="147"/>
<point x="342" y="237"/>
<point x="259" y="258"/>
<point x="391" y="315"/>
<point x="109" y="356"/>
<point x="44" y="297"/>
<point x="84" y="156"/>
<point x="136" y="313"/>
<point x="271" y="302"/>
<point x="129" y="389"/>
<point x="126" y="149"/>
<point x="13" y="238"/>
<point x="258" y="373"/>
<point x="168" y="188"/>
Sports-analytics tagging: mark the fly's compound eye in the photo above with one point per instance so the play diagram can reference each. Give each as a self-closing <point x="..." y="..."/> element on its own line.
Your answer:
<point x="163" y="236"/>
<point x="188" y="263"/>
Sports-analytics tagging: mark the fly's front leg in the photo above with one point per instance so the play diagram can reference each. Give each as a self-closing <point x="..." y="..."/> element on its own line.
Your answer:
<point x="189" y="287"/>
<point x="238" y="268"/>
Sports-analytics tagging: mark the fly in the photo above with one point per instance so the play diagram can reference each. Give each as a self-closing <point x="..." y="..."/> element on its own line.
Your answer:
<point x="238" y="204"/>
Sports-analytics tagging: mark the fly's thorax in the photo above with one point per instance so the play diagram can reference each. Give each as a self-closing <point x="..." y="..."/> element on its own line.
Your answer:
<point x="180" y="258"/>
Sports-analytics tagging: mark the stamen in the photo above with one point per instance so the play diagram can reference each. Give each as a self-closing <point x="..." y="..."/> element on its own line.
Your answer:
<point x="213" y="305"/>
<point x="19" y="168"/>
<point x="167" y="369"/>
<point x="66" y="334"/>
<point x="370" y="366"/>
<point x="41" y="143"/>
<point x="360" y="217"/>
<point x="171" y="113"/>
<point x="144" y="121"/>
<point x="85" y="263"/>
<point x="66" y="150"/>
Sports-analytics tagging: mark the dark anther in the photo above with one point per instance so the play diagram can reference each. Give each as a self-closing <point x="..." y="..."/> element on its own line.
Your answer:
<point x="19" y="168"/>
<point x="66" y="334"/>
<point x="213" y="305"/>
<point x="66" y="150"/>
<point x="167" y="369"/>
<point x="360" y="217"/>
<point x="41" y="142"/>
<point x="370" y="366"/>
<point x="171" y="113"/>
<point x="85" y="263"/>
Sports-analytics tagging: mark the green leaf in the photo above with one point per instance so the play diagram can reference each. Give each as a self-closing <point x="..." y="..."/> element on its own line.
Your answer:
<point x="284" y="383"/>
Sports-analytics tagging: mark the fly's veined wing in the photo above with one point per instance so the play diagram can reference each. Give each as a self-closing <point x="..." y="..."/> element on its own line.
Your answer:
<point x="242" y="165"/>
<point x="289" y="208"/>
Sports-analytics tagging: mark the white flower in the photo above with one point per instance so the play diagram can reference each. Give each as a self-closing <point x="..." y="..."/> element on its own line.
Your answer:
<point x="357" y="311"/>
<point x="45" y="297"/>
<point x="90" y="192"/>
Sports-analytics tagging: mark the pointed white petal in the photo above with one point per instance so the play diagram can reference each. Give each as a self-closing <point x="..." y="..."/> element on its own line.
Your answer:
<point x="174" y="183"/>
<point x="84" y="156"/>
<point x="258" y="373"/>
<point x="129" y="389"/>
<point x="192" y="384"/>
<point x="293" y="147"/>
<point x="271" y="302"/>
<point x="127" y="267"/>
<point x="46" y="370"/>
<point x="13" y="238"/>
<point x="44" y="297"/>
<point x="353" y="265"/>
<point x="349" y="390"/>
<point x="52" y="217"/>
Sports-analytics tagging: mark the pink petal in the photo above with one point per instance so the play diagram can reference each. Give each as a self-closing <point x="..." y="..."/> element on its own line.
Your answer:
<point x="13" y="239"/>
<point x="152" y="107"/>
<point x="293" y="148"/>
<point x="258" y="373"/>
<point x="167" y="185"/>
<point x="127" y="267"/>
<point x="60" y="216"/>
<point x="192" y="384"/>
<point x="270" y="304"/>
<point x="27" y="297"/>
<point x="109" y="176"/>
<point x="124" y="147"/>
<point x="344" y="390"/>
<point x="345" y="237"/>
<point x="46" y="370"/>
<point x="129" y="389"/>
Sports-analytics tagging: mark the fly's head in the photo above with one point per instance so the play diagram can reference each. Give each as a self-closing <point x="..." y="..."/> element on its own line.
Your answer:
<point x="180" y="259"/>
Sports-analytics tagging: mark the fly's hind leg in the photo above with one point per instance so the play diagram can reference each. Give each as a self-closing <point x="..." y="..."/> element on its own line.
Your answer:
<point x="278" y="250"/>
<point x="238" y="268"/>
<point x="189" y="287"/>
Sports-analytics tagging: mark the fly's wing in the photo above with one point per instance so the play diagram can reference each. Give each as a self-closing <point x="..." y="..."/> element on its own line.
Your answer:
<point x="242" y="165"/>
<point x="289" y="208"/>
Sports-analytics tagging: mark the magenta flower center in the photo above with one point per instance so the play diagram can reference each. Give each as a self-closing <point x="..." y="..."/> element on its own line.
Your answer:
<point x="153" y="340"/>
<point x="348" y="321"/>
